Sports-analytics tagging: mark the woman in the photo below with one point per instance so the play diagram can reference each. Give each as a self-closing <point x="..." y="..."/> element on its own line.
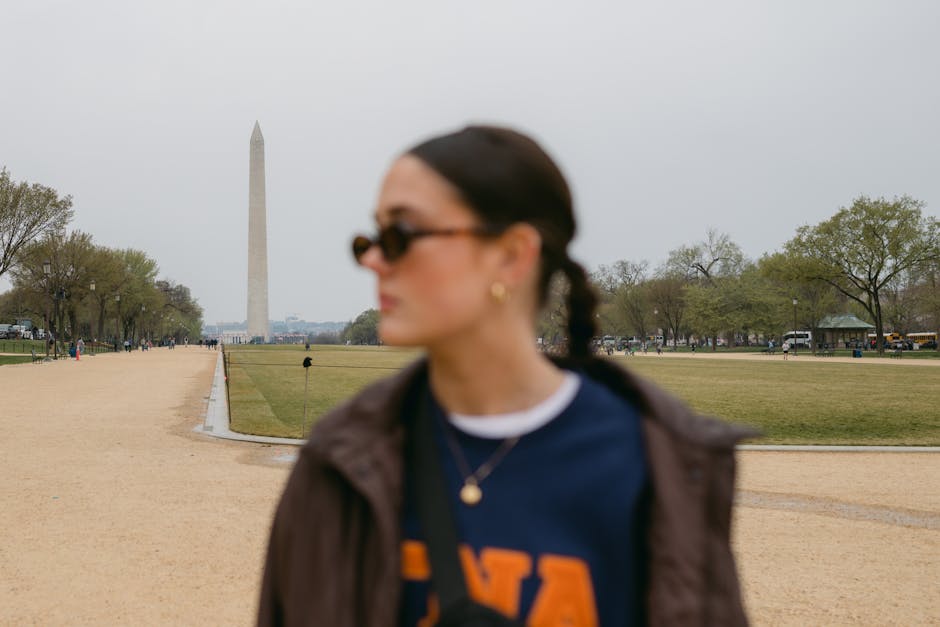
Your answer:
<point x="581" y="495"/>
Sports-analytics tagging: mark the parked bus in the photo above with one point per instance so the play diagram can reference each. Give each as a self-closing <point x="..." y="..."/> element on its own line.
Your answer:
<point x="890" y="338"/>
<point x="799" y="339"/>
<point x="928" y="338"/>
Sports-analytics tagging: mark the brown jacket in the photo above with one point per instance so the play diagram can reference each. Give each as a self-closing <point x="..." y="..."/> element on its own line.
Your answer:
<point x="333" y="557"/>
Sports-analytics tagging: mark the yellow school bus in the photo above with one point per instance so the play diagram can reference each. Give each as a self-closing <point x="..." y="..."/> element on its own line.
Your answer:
<point x="923" y="337"/>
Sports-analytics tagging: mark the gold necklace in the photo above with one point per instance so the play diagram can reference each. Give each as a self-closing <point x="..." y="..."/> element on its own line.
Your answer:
<point x="471" y="493"/>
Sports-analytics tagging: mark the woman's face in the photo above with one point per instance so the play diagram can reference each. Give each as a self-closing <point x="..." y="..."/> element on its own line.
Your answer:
<point x="439" y="289"/>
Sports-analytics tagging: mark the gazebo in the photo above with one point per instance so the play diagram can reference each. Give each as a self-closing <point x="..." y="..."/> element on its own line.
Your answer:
<point x="844" y="330"/>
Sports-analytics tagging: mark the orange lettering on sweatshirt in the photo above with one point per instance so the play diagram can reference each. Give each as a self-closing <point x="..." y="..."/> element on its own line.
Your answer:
<point x="566" y="596"/>
<point x="496" y="579"/>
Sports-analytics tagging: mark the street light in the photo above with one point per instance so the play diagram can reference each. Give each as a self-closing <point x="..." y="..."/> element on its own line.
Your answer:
<point x="117" y="322"/>
<point x="655" y="321"/>
<point x="58" y="293"/>
<point x="794" y="327"/>
<point x="91" y="286"/>
<point x="47" y="272"/>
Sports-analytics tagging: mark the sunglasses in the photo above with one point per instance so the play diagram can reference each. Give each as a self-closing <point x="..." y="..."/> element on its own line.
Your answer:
<point x="394" y="239"/>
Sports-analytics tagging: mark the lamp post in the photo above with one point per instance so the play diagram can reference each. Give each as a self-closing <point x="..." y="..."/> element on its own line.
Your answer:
<point x="794" y="326"/>
<point x="91" y="327"/>
<point x="655" y="321"/>
<point x="117" y="323"/>
<point x="58" y="293"/>
<point x="47" y="272"/>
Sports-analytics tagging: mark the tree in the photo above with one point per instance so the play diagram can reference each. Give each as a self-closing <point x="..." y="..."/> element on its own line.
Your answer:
<point x="790" y="277"/>
<point x="899" y="302"/>
<point x="105" y="270"/>
<point x="26" y="213"/>
<point x="927" y="298"/>
<point x="667" y="295"/>
<point x="136" y="277"/>
<point x="179" y="316"/>
<point x="715" y="256"/>
<point x="710" y="268"/>
<point x="863" y="249"/>
<point x="364" y="329"/>
<point x="624" y="302"/>
<point x="552" y="323"/>
<point x="67" y="285"/>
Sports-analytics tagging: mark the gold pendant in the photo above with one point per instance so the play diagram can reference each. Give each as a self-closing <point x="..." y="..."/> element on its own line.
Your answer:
<point x="471" y="494"/>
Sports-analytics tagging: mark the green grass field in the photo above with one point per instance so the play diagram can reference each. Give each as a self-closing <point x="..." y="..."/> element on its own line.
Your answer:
<point x="792" y="403"/>
<point x="809" y="403"/>
<point x="15" y="359"/>
<point x="266" y="383"/>
<point x="839" y="352"/>
<point x="26" y="346"/>
<point x="23" y="346"/>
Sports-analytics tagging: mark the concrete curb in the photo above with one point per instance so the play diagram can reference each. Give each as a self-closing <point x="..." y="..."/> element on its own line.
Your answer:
<point x="216" y="424"/>
<point x="821" y="448"/>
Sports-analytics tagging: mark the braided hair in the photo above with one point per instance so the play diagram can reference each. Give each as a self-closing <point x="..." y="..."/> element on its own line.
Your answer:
<point x="506" y="178"/>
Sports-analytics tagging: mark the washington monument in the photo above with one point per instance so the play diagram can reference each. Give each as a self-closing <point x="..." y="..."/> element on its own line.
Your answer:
<point x="257" y="241"/>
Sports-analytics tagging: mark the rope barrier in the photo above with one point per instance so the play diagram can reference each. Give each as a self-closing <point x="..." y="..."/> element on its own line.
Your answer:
<point x="233" y="362"/>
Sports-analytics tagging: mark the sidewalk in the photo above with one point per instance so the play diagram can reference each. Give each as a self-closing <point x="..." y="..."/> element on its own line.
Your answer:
<point x="216" y="423"/>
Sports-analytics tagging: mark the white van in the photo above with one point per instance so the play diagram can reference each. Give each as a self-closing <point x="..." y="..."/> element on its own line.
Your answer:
<point x="799" y="339"/>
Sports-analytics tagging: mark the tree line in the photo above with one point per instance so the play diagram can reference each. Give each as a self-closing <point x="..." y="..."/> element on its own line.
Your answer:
<point x="877" y="258"/>
<point x="65" y="283"/>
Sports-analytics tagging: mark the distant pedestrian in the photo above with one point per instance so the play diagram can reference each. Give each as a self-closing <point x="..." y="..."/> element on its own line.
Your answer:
<point x="786" y="350"/>
<point x="693" y="348"/>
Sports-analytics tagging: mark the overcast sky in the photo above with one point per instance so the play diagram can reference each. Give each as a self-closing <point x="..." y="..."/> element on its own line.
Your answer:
<point x="667" y="117"/>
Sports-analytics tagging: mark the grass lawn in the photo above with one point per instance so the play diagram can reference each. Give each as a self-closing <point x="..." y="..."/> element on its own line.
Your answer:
<point x="266" y="383"/>
<point x="793" y="403"/>
<point x="23" y="346"/>
<point x="15" y="359"/>
<point x="838" y="352"/>
<point x="809" y="403"/>
<point x="27" y="346"/>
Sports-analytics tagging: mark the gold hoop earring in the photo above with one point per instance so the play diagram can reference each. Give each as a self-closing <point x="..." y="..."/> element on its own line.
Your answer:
<point x="499" y="292"/>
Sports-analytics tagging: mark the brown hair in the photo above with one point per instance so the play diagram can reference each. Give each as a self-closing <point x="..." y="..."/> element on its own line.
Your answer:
<point x="505" y="178"/>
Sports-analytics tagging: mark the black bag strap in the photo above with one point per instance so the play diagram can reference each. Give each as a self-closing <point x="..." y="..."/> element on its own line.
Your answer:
<point x="437" y="521"/>
<point x="440" y="532"/>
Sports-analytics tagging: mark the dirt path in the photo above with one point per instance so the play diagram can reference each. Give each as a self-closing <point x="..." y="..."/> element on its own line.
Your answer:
<point x="114" y="512"/>
<point x="839" y="538"/>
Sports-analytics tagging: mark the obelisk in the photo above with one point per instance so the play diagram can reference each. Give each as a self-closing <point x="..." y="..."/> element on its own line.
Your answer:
<point x="257" y="241"/>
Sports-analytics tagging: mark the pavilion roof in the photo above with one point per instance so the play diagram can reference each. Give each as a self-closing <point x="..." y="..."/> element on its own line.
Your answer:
<point x="844" y="321"/>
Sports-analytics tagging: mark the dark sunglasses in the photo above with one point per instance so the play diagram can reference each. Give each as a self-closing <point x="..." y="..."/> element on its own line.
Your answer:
<point x="394" y="239"/>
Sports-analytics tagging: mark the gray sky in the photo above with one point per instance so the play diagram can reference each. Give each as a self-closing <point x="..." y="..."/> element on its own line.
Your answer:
<point x="668" y="118"/>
